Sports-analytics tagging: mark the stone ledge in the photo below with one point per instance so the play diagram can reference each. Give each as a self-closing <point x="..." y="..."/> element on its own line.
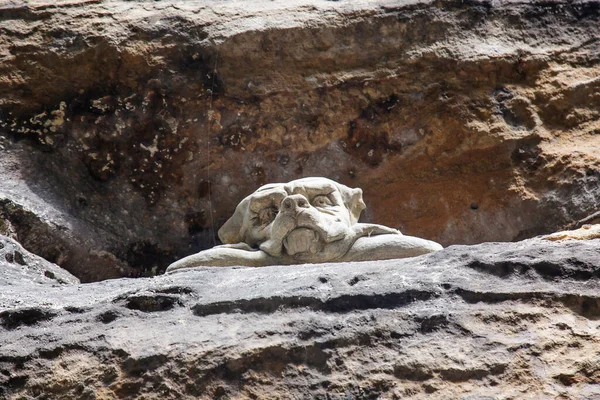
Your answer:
<point x="491" y="319"/>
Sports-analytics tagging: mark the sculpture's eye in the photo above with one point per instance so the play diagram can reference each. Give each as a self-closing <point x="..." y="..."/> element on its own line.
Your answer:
<point x="322" y="201"/>
<point x="267" y="215"/>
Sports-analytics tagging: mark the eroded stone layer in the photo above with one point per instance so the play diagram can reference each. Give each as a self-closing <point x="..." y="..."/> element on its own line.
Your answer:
<point x="146" y="123"/>
<point x="497" y="320"/>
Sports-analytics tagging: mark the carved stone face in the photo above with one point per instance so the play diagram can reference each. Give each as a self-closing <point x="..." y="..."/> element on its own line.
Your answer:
<point x="305" y="219"/>
<point x="308" y="220"/>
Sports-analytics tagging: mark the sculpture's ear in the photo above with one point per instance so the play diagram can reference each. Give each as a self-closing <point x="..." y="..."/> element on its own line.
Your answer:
<point x="353" y="199"/>
<point x="356" y="205"/>
<point x="231" y="231"/>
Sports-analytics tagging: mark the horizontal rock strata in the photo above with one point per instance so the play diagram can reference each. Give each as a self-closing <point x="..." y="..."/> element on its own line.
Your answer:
<point x="147" y="122"/>
<point x="491" y="321"/>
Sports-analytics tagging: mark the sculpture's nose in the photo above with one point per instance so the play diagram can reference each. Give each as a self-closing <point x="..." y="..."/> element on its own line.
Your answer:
<point x="294" y="202"/>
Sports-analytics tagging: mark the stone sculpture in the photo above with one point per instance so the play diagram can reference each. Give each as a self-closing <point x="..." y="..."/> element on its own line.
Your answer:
<point x="309" y="220"/>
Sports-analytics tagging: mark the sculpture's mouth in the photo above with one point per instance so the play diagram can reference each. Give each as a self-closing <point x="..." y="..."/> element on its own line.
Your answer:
<point x="302" y="240"/>
<point x="302" y="236"/>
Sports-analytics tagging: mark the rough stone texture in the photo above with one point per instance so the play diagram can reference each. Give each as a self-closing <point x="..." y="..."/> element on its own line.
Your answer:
<point x="18" y="266"/>
<point x="586" y="232"/>
<point x="463" y="121"/>
<point x="491" y="321"/>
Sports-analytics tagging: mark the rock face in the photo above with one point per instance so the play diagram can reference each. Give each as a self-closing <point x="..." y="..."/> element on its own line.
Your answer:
<point x="129" y="130"/>
<point x="147" y="122"/>
<point x="491" y="321"/>
<point x="18" y="266"/>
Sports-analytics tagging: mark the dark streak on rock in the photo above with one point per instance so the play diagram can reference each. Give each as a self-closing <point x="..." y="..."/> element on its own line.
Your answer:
<point x="339" y="304"/>
<point x="13" y="319"/>
<point x="586" y="306"/>
<point x="152" y="303"/>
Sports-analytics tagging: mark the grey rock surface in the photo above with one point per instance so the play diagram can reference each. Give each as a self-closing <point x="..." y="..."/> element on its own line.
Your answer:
<point x="495" y="321"/>
<point x="18" y="268"/>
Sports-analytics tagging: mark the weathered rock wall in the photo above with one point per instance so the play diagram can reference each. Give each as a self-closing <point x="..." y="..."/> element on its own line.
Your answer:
<point x="146" y="122"/>
<point x="490" y="321"/>
<point x="21" y="267"/>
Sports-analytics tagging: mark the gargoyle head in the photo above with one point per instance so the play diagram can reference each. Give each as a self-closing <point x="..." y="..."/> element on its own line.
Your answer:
<point x="299" y="219"/>
<point x="309" y="220"/>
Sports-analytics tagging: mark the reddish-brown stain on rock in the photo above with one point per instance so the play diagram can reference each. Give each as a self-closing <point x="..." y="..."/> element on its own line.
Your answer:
<point x="164" y="121"/>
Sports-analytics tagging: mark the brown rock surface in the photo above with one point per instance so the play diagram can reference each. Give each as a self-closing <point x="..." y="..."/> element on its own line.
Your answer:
<point x="146" y="122"/>
<point x="490" y="321"/>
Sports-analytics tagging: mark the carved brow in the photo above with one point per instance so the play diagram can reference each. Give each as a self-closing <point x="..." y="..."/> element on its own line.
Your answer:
<point x="325" y="192"/>
<point x="257" y="204"/>
<point x="312" y="192"/>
